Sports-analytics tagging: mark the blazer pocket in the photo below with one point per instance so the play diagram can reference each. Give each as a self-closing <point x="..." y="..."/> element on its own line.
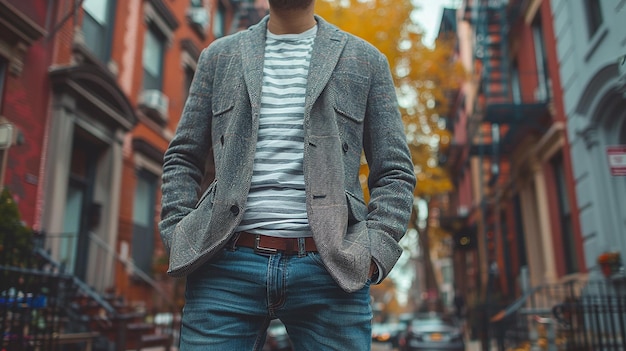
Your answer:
<point x="357" y="209"/>
<point x="220" y="122"/>
<point x="209" y="191"/>
<point x="351" y="92"/>
<point x="223" y="108"/>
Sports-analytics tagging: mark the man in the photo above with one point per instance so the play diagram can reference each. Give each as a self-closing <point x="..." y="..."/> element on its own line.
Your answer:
<point x="283" y="231"/>
<point x="459" y="303"/>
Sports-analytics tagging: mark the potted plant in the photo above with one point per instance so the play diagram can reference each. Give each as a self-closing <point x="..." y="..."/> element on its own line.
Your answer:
<point x="16" y="239"/>
<point x="610" y="262"/>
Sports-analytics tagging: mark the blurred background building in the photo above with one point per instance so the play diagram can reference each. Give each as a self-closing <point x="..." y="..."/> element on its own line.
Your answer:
<point x="91" y="92"/>
<point x="538" y="154"/>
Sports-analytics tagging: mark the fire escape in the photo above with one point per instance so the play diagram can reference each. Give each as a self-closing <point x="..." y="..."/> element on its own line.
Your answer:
<point x="491" y="55"/>
<point x="503" y="115"/>
<point x="245" y="14"/>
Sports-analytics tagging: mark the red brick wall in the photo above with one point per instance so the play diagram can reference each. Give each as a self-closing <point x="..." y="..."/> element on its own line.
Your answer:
<point x="559" y="115"/>
<point x="25" y="104"/>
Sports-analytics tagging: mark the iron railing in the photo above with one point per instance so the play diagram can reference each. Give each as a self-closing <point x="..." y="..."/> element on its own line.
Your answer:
<point x="572" y="316"/>
<point x="43" y="307"/>
<point x="32" y="308"/>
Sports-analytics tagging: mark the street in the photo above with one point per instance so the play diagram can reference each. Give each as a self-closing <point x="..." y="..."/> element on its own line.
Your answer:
<point x="377" y="346"/>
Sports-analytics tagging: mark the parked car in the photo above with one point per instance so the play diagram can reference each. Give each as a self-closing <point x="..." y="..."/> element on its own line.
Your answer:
<point x="432" y="331"/>
<point x="386" y="333"/>
<point x="277" y="338"/>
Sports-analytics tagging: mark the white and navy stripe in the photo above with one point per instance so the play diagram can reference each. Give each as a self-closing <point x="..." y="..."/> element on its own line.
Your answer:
<point x="277" y="202"/>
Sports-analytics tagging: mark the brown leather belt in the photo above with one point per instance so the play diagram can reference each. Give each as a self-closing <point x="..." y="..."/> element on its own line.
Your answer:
<point x="270" y="244"/>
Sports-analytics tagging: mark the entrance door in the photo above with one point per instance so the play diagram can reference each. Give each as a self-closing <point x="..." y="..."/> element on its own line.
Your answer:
<point x="143" y="220"/>
<point x="78" y="220"/>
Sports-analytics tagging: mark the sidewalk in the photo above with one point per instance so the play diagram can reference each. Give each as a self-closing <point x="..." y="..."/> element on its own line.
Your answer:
<point x="472" y="346"/>
<point x="475" y="345"/>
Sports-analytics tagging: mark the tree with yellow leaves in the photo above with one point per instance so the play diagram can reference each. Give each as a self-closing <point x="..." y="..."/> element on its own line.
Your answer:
<point x="423" y="77"/>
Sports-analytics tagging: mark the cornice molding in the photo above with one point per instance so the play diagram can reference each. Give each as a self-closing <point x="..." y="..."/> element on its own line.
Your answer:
<point x="19" y="34"/>
<point x="19" y="24"/>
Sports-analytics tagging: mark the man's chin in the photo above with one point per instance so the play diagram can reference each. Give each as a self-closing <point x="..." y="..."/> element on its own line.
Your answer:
<point x="290" y="4"/>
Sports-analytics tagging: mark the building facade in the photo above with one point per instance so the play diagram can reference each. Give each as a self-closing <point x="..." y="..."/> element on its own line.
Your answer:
<point x="25" y="54"/>
<point x="91" y="93"/>
<point x="591" y="49"/>
<point x="515" y="206"/>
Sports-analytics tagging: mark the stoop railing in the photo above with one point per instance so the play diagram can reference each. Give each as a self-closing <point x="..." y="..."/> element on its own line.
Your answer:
<point x="32" y="305"/>
<point x="43" y="308"/>
<point x="571" y="316"/>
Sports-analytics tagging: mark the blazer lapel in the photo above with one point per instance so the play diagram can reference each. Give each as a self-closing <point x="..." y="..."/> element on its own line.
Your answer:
<point x="252" y="54"/>
<point x="327" y="49"/>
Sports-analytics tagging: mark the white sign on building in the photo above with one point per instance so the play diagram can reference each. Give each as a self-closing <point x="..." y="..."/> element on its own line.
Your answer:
<point x="617" y="159"/>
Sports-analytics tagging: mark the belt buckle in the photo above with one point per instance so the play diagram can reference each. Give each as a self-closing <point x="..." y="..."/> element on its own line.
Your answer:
<point x="260" y="249"/>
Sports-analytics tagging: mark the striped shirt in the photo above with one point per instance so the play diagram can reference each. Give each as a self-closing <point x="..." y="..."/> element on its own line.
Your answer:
<point x="277" y="201"/>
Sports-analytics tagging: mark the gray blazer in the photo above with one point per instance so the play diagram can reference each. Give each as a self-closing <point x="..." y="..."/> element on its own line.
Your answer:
<point x="350" y="108"/>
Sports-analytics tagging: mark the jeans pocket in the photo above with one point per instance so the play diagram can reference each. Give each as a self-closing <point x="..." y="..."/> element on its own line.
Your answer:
<point x="316" y="259"/>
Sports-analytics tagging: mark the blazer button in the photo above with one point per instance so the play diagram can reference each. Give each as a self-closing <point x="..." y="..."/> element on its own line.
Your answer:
<point x="234" y="210"/>
<point x="345" y="147"/>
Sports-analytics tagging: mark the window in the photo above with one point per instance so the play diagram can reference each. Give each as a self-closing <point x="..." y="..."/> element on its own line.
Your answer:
<point x="189" y="61"/>
<point x="218" y="21"/>
<point x="516" y="92"/>
<point x="97" y="27"/>
<point x="143" y="220"/>
<point x="153" y="52"/>
<point x="519" y="230"/>
<point x="189" y="72"/>
<point x="198" y="17"/>
<point x="565" y="217"/>
<point x="541" y="92"/>
<point x="3" y="70"/>
<point x="593" y="11"/>
<point x="507" y="246"/>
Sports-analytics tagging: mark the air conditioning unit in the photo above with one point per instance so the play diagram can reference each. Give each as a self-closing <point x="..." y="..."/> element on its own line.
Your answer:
<point x="198" y="16"/>
<point x="6" y="135"/>
<point x="154" y="104"/>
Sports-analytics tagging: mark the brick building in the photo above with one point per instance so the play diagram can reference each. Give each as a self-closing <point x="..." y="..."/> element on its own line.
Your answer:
<point x="91" y="95"/>
<point x="25" y="54"/>
<point x="515" y="206"/>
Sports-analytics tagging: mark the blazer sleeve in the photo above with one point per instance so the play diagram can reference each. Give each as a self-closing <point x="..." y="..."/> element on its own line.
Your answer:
<point x="391" y="179"/>
<point x="185" y="158"/>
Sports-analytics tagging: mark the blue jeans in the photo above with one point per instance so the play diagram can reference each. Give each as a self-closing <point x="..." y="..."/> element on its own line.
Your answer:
<point x="231" y="299"/>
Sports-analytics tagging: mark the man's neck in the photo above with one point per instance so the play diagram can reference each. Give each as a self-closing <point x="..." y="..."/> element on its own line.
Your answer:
<point x="291" y="22"/>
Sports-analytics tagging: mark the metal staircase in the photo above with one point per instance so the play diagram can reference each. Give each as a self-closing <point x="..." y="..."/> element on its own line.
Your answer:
<point x="245" y="15"/>
<point x="44" y="308"/>
<point x="492" y="49"/>
<point x="489" y="18"/>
